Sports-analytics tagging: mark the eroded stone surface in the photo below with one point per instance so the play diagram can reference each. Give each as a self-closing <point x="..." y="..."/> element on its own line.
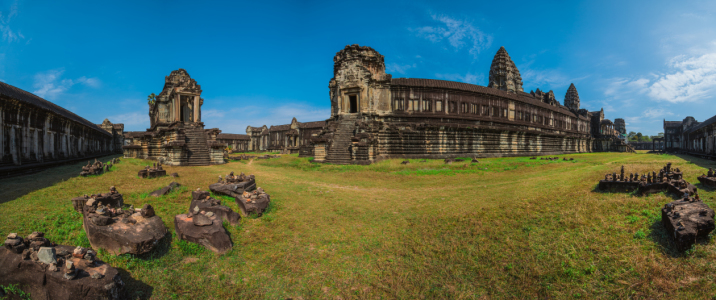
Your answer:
<point x="165" y="190"/>
<point x="202" y="201"/>
<point x="212" y="236"/>
<point x="255" y="202"/>
<point x="687" y="219"/>
<point x="666" y="180"/>
<point x="152" y="172"/>
<point x="95" y="168"/>
<point x="43" y="281"/>
<point x="112" y="198"/>
<point x="122" y="231"/>
<point x="233" y="185"/>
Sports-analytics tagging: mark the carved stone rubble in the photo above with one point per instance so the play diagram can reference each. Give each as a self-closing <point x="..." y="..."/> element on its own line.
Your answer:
<point x="255" y="202"/>
<point x="49" y="271"/>
<point x="233" y="185"/>
<point x="165" y="190"/>
<point x="686" y="220"/>
<point x="202" y="201"/>
<point x="708" y="179"/>
<point x="112" y="198"/>
<point x="203" y="226"/>
<point x="152" y="172"/>
<point x="667" y="180"/>
<point x="120" y="230"/>
<point x="97" y="167"/>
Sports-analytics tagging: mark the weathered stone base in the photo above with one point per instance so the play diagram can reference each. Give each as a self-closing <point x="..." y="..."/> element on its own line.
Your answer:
<point x="36" y="279"/>
<point x="708" y="181"/>
<point x="213" y="236"/>
<point x="686" y="220"/>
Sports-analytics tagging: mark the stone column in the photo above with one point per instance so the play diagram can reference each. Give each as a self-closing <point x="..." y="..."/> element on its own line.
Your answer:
<point x="177" y="108"/>
<point x="197" y="109"/>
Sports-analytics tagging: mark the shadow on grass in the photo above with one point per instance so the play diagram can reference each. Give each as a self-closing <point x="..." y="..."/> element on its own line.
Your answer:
<point x="133" y="288"/>
<point x="16" y="187"/>
<point x="660" y="236"/>
<point x="701" y="162"/>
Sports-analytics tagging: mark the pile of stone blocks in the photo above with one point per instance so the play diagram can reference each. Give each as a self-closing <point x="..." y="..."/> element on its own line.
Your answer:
<point x="709" y="179"/>
<point x="120" y="230"/>
<point x="46" y="270"/>
<point x="667" y="180"/>
<point x="233" y="185"/>
<point x="152" y="171"/>
<point x="97" y="167"/>
<point x="203" y="224"/>
<point x="112" y="198"/>
<point x="686" y="220"/>
<point x="255" y="202"/>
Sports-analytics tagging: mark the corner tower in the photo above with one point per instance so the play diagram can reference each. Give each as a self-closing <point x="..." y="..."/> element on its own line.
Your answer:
<point x="359" y="82"/>
<point x="571" y="99"/>
<point x="504" y="74"/>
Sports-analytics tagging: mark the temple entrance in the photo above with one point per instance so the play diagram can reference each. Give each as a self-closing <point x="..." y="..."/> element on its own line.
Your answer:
<point x="353" y="103"/>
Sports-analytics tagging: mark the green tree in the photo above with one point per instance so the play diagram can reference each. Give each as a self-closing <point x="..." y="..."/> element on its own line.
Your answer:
<point x="152" y="99"/>
<point x="631" y="136"/>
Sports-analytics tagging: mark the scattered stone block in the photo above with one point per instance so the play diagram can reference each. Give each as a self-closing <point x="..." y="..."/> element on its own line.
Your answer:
<point x="667" y="180"/>
<point x="95" y="168"/>
<point x="405" y="162"/>
<point x="43" y="281"/>
<point x="175" y="175"/>
<point x="152" y="172"/>
<point x="122" y="231"/>
<point x="449" y="160"/>
<point x="165" y="190"/>
<point x="201" y="201"/>
<point x="200" y="229"/>
<point x="709" y="179"/>
<point x="112" y="198"/>
<point x="686" y="220"/>
<point x="233" y="185"/>
<point x="253" y="202"/>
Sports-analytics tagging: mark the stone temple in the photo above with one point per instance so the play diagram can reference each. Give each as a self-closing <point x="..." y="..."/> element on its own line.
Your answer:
<point x="177" y="136"/>
<point x="375" y="116"/>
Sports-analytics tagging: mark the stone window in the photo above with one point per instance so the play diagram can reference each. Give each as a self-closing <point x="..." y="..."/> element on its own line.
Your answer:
<point x="426" y="105"/>
<point x="485" y="110"/>
<point x="414" y="105"/>
<point x="398" y="104"/>
<point x="452" y="107"/>
<point x="463" y="107"/>
<point x="439" y="106"/>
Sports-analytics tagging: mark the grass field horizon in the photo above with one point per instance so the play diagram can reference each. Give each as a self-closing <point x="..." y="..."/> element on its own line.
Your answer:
<point x="501" y="228"/>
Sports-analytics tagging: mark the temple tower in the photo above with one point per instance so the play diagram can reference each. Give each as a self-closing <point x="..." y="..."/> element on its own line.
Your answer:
<point x="179" y="101"/>
<point x="620" y="125"/>
<point x="571" y="99"/>
<point x="504" y="74"/>
<point x="359" y="82"/>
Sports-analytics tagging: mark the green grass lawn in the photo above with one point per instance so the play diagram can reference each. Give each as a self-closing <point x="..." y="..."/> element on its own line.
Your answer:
<point x="501" y="228"/>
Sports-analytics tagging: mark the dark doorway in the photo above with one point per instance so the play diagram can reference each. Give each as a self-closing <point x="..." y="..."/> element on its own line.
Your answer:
<point x="354" y="103"/>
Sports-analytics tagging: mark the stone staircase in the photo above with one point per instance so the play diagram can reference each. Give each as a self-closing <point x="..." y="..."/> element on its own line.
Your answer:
<point x="198" y="150"/>
<point x="339" y="152"/>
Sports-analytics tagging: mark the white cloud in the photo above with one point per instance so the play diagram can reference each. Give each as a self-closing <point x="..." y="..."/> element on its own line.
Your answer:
<point x="552" y="78"/>
<point x="396" y="68"/>
<point x="133" y="121"/>
<point x="654" y="113"/>
<point x="467" y="78"/>
<point x="7" y="33"/>
<point x="693" y="79"/>
<point x="458" y="34"/>
<point x="50" y="84"/>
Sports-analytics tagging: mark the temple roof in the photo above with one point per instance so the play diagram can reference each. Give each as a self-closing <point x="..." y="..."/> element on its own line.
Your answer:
<point x="26" y="97"/>
<point x="232" y="136"/>
<point x="133" y="134"/>
<point x="316" y="124"/>
<point x="703" y="124"/>
<point x="280" y="127"/>
<point x="461" y="86"/>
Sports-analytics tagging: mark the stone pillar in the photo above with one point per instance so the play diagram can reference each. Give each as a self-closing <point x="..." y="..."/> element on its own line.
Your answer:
<point x="197" y="109"/>
<point x="177" y="108"/>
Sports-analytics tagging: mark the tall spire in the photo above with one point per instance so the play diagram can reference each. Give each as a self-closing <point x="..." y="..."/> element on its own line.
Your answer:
<point x="504" y="74"/>
<point x="571" y="99"/>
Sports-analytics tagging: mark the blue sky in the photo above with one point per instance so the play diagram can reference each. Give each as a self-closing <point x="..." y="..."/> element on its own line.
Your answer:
<point x="262" y="62"/>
